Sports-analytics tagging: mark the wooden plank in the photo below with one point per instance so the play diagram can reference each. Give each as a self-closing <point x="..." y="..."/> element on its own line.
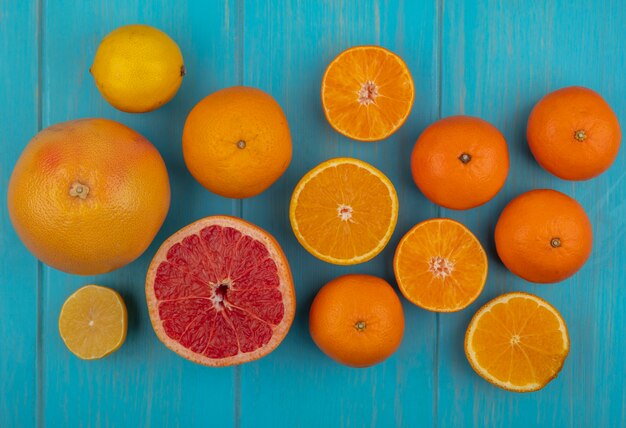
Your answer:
<point x="499" y="58"/>
<point x="142" y="384"/>
<point x="286" y="49"/>
<point x="19" y="106"/>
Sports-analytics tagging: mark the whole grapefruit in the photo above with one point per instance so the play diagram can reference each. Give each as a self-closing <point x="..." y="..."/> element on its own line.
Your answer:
<point x="88" y="196"/>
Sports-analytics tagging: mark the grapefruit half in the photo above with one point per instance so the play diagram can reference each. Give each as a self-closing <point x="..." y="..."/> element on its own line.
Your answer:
<point x="220" y="292"/>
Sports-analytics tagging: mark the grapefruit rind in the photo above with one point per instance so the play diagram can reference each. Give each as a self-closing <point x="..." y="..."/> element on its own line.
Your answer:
<point x="286" y="289"/>
<point x="470" y="354"/>
<point x="319" y="169"/>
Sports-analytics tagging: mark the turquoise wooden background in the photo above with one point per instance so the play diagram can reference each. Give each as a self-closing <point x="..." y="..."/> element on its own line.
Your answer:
<point x="493" y="59"/>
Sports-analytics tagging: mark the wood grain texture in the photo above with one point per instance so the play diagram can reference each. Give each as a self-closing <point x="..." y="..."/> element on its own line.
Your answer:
<point x="144" y="384"/>
<point x="490" y="58"/>
<point x="19" y="287"/>
<point x="499" y="59"/>
<point x="286" y="50"/>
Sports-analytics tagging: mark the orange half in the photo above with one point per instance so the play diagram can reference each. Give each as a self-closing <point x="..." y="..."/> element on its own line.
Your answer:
<point x="518" y="342"/>
<point x="440" y="265"/>
<point x="344" y="211"/>
<point x="367" y="93"/>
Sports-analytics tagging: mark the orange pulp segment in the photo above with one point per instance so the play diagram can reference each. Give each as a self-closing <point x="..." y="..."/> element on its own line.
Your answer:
<point x="367" y="93"/>
<point x="518" y="342"/>
<point x="440" y="265"/>
<point x="344" y="211"/>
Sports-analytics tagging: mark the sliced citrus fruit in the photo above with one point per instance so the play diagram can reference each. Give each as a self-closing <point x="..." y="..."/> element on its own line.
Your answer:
<point x="440" y="265"/>
<point x="518" y="342"/>
<point x="93" y="322"/>
<point x="344" y="211"/>
<point x="220" y="292"/>
<point x="367" y="93"/>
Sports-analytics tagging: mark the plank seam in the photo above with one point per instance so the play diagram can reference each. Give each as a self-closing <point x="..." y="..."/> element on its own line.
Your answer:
<point x="39" y="374"/>
<point x="239" y="202"/>
<point x="237" y="397"/>
<point x="440" y="8"/>
<point x="240" y="47"/>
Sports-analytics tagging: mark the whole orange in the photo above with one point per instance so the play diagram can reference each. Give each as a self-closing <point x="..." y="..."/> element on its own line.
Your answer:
<point x="543" y="236"/>
<point x="460" y="162"/>
<point x="236" y="142"/>
<point x="88" y="196"/>
<point x="357" y="320"/>
<point x="573" y="133"/>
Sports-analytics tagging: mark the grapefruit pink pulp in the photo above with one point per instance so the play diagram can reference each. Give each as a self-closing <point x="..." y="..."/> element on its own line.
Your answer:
<point x="220" y="292"/>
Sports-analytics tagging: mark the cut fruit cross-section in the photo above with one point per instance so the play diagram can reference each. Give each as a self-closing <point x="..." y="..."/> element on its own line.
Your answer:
<point x="93" y="322"/>
<point x="440" y="265"/>
<point x="344" y="211"/>
<point x="220" y="292"/>
<point x="367" y="93"/>
<point x="518" y="342"/>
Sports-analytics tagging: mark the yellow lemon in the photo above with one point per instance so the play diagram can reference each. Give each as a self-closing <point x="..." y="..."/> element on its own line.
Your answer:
<point x="138" y="68"/>
<point x="93" y="322"/>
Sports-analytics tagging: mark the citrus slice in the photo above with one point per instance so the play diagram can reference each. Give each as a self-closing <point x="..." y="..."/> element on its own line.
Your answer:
<point x="518" y="342"/>
<point x="440" y="265"/>
<point x="93" y="322"/>
<point x="344" y="211"/>
<point x="367" y="93"/>
<point x="220" y="292"/>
